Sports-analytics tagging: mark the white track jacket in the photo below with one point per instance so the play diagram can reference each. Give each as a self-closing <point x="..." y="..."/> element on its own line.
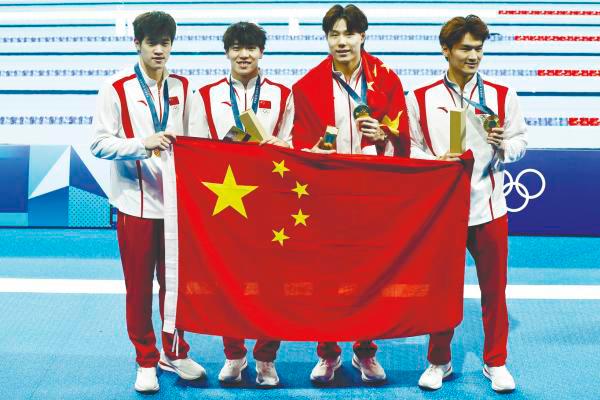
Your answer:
<point x="428" y="108"/>
<point x="211" y="113"/>
<point x="121" y="121"/>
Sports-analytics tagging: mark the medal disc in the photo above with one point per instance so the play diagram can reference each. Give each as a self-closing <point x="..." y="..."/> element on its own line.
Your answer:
<point x="361" y="110"/>
<point x="490" y="122"/>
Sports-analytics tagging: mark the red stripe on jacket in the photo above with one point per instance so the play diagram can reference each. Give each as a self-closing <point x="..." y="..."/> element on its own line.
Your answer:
<point x="204" y="91"/>
<point x="420" y="96"/>
<point x="125" y="118"/>
<point x="501" y="92"/>
<point x="185" y="83"/>
<point x="128" y="129"/>
<point x="285" y="93"/>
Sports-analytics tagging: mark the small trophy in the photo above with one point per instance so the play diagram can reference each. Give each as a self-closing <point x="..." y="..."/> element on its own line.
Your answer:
<point x="361" y="110"/>
<point x="458" y="130"/>
<point x="253" y="126"/>
<point x="235" y="134"/>
<point x="328" y="142"/>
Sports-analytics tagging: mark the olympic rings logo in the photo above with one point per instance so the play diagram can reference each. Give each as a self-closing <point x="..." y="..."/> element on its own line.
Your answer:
<point x="521" y="189"/>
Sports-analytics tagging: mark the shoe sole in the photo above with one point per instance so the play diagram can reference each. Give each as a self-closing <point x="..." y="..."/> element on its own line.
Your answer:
<point x="165" y="366"/>
<point x="335" y="368"/>
<point x="148" y="391"/>
<point x="238" y="378"/>
<point x="494" y="387"/>
<point x="445" y="376"/>
<point x="364" y="377"/>
<point x="264" y="384"/>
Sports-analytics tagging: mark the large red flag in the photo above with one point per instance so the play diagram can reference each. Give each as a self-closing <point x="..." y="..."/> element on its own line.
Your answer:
<point x="266" y="242"/>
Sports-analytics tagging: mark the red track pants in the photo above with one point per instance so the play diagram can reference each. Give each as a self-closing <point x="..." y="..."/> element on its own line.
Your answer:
<point x="488" y="244"/>
<point x="363" y="349"/>
<point x="142" y="246"/>
<point x="264" y="350"/>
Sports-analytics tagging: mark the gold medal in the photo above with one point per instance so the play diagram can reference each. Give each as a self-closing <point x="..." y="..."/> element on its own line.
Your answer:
<point x="490" y="122"/>
<point x="156" y="152"/>
<point x="361" y="110"/>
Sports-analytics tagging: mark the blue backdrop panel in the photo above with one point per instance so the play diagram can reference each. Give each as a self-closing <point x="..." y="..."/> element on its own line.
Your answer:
<point x="554" y="192"/>
<point x="41" y="160"/>
<point x="14" y="178"/>
<point x="51" y="209"/>
<point x="80" y="176"/>
<point x="88" y="209"/>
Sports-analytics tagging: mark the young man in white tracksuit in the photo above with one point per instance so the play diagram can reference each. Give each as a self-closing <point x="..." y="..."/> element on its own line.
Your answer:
<point x="496" y="134"/>
<point x="140" y="110"/>
<point x="215" y="109"/>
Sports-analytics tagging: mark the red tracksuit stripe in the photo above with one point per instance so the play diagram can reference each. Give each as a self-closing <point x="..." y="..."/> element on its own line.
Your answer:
<point x="285" y="93"/>
<point x="501" y="92"/>
<point x="205" y="93"/>
<point x="185" y="83"/>
<point x="125" y="119"/>
<point x="128" y="130"/>
<point x="491" y="173"/>
<point x="420" y="95"/>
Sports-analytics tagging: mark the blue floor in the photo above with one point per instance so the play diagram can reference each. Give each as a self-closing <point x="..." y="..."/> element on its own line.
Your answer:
<point x="58" y="346"/>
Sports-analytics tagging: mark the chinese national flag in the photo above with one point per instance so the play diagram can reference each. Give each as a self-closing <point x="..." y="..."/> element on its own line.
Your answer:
<point x="265" y="242"/>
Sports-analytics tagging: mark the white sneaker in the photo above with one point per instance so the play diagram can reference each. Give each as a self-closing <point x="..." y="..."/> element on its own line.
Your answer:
<point x="324" y="371"/>
<point x="434" y="375"/>
<point x="370" y="369"/>
<point x="502" y="380"/>
<point x="146" y="380"/>
<point x="232" y="370"/>
<point x="186" y="368"/>
<point x="266" y="374"/>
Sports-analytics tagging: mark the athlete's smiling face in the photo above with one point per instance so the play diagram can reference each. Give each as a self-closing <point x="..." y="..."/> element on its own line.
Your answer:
<point x="154" y="52"/>
<point x="244" y="61"/>
<point x="464" y="57"/>
<point x="344" y="45"/>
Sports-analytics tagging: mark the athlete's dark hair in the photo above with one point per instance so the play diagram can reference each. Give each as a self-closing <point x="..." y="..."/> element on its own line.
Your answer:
<point x="356" y="20"/>
<point x="244" y="34"/>
<point x="454" y="30"/>
<point x="154" y="25"/>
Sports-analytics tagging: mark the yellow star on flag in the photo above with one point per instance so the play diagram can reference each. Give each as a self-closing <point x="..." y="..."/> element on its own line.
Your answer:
<point x="229" y="193"/>
<point x="370" y="86"/>
<point x="392" y="123"/>
<point x="375" y="70"/>
<point x="300" y="218"/>
<point x="280" y="167"/>
<point x="300" y="189"/>
<point x="386" y="67"/>
<point x="279" y="236"/>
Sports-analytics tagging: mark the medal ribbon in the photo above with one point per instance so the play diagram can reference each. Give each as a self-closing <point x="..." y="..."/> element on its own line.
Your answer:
<point x="357" y="99"/>
<point x="234" y="105"/>
<point x="481" y="106"/>
<point x="159" y="125"/>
